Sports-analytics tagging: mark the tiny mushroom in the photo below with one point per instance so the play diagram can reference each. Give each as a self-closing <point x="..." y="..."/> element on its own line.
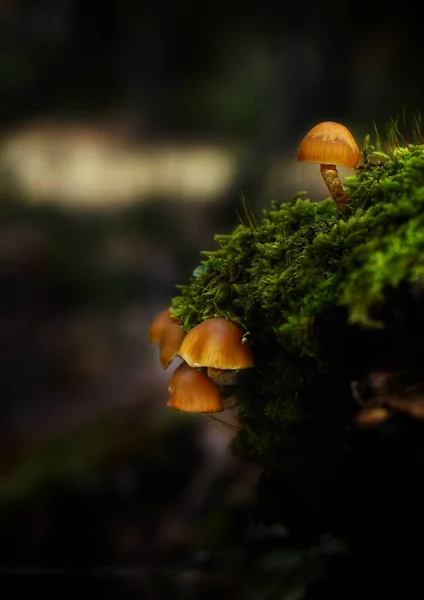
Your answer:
<point x="217" y="344"/>
<point x="170" y="343"/>
<point x="169" y="334"/>
<point x="192" y="391"/>
<point x="160" y="323"/>
<point x="330" y="144"/>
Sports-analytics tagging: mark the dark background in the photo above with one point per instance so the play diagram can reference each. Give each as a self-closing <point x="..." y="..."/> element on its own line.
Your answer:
<point x="129" y="131"/>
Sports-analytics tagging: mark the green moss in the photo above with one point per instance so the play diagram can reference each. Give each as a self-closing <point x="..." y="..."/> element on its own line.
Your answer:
<point x="318" y="294"/>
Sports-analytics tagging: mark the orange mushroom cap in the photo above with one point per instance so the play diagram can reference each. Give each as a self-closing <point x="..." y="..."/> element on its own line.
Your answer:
<point x="169" y="334"/>
<point x="161" y="322"/>
<point x="170" y="343"/>
<point x="216" y="343"/>
<point x="329" y="143"/>
<point x="192" y="391"/>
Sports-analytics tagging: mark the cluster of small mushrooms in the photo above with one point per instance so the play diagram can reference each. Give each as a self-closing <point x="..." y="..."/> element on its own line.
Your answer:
<point x="331" y="144"/>
<point x="213" y="352"/>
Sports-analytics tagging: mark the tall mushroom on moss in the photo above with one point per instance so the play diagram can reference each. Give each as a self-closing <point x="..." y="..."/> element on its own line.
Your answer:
<point x="217" y="344"/>
<point x="331" y="144"/>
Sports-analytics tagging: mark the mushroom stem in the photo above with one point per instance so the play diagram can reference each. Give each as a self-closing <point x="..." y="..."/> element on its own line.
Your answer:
<point x="332" y="180"/>
<point x="222" y="377"/>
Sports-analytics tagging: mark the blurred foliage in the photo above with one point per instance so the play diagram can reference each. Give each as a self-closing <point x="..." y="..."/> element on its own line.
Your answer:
<point x="216" y="70"/>
<point x="79" y="456"/>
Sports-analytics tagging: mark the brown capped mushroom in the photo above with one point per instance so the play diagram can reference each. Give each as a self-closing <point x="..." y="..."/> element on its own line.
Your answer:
<point x="330" y="144"/>
<point x="170" y="343"/>
<point x="160" y="323"/>
<point x="169" y="334"/>
<point x="217" y="343"/>
<point x="192" y="391"/>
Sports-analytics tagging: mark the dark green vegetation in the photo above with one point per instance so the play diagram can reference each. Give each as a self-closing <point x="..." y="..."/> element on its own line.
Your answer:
<point x="331" y="304"/>
<point x="315" y="290"/>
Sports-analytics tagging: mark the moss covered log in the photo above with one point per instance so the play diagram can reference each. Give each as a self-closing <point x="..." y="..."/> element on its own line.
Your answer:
<point x="314" y="291"/>
<point x="333" y="307"/>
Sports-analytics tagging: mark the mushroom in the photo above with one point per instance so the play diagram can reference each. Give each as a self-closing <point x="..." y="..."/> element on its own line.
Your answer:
<point x="161" y="322"/>
<point x="170" y="343"/>
<point x="192" y="391"/>
<point x="330" y="144"/>
<point x="217" y="343"/>
<point x="169" y="334"/>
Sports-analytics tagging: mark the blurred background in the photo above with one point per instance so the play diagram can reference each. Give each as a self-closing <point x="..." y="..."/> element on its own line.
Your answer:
<point x="129" y="131"/>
